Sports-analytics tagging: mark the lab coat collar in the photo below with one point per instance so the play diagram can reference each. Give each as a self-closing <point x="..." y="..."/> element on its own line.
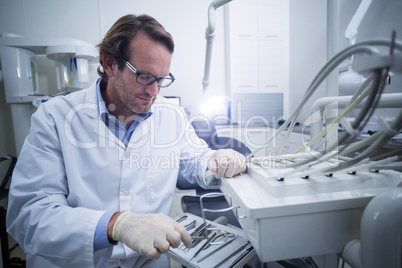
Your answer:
<point x="91" y="102"/>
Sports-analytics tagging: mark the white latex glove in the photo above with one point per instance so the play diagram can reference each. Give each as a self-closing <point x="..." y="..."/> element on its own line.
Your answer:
<point x="227" y="163"/>
<point x="149" y="234"/>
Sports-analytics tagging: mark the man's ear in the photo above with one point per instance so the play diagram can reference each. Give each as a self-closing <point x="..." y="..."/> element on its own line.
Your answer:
<point x="109" y="65"/>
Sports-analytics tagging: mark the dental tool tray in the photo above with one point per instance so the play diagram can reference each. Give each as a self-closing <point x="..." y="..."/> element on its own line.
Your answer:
<point x="234" y="251"/>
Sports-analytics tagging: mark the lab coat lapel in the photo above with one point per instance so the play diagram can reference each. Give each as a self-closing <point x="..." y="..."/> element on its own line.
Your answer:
<point x="91" y="103"/>
<point x="144" y="128"/>
<point x="91" y="109"/>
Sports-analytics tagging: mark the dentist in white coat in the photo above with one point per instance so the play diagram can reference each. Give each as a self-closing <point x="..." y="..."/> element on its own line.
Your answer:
<point x="95" y="179"/>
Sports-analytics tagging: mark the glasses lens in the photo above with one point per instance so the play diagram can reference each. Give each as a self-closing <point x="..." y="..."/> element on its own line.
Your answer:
<point x="165" y="82"/>
<point x="148" y="79"/>
<point x="145" y="79"/>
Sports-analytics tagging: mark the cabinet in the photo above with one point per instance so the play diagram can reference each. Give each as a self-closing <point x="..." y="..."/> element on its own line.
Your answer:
<point x="257" y="58"/>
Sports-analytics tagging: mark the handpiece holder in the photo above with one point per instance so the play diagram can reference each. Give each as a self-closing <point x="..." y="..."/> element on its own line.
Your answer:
<point x="205" y="234"/>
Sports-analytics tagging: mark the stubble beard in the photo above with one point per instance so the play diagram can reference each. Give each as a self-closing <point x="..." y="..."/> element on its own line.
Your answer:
<point x="130" y="103"/>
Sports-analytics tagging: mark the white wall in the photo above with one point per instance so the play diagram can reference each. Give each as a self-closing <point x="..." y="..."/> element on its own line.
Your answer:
<point x="88" y="20"/>
<point x="308" y="45"/>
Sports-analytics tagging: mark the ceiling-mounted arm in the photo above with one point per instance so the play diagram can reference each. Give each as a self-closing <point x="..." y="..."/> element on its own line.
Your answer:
<point x="209" y="36"/>
<point x="351" y="31"/>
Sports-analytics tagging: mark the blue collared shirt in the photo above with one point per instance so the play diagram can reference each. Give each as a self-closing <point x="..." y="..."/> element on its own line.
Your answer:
<point x="123" y="133"/>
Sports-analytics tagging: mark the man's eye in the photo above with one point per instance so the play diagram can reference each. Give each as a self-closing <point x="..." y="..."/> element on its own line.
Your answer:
<point x="145" y="77"/>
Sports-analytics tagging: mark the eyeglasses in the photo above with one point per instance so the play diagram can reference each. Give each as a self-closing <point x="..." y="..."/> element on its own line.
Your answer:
<point x="148" y="79"/>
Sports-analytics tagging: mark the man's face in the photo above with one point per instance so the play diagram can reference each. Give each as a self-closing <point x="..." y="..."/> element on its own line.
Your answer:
<point x="147" y="56"/>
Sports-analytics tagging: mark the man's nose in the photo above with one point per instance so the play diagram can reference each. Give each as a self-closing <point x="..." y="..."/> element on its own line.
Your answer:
<point x="153" y="89"/>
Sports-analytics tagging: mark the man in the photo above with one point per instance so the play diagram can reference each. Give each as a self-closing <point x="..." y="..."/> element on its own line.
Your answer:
<point x="95" y="179"/>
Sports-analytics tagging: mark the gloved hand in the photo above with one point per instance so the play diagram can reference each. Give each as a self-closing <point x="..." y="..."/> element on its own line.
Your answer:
<point x="227" y="163"/>
<point x="149" y="234"/>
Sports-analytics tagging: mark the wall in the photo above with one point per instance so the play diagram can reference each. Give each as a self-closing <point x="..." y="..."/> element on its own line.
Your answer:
<point x="308" y="44"/>
<point x="88" y="20"/>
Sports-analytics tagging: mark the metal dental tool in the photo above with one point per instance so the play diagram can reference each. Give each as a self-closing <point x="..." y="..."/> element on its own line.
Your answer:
<point x="231" y="255"/>
<point x="216" y="250"/>
<point x="197" y="234"/>
<point x="181" y="218"/>
<point x="201" y="234"/>
<point x="190" y="225"/>
<point x="212" y="240"/>
<point x="205" y="245"/>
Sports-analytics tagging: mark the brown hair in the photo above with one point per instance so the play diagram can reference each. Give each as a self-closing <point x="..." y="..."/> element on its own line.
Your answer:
<point x="119" y="36"/>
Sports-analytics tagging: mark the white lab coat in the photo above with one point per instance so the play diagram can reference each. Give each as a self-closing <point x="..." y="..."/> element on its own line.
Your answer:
<point x="72" y="169"/>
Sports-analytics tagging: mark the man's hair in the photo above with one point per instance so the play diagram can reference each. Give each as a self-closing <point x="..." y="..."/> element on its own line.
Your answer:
<point x="119" y="36"/>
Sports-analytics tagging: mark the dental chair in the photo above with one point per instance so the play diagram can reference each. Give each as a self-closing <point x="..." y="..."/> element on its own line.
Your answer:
<point x="206" y="130"/>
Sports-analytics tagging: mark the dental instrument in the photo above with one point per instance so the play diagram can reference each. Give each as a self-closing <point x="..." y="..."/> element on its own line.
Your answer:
<point x="217" y="249"/>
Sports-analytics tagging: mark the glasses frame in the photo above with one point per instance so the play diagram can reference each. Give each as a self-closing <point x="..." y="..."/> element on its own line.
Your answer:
<point x="156" y="79"/>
